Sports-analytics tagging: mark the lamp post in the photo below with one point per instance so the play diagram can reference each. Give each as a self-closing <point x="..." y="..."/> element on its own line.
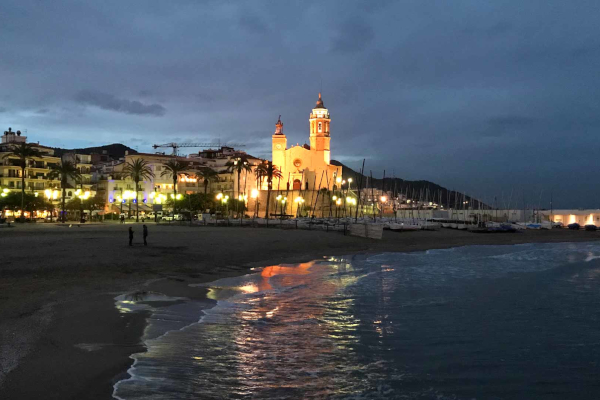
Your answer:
<point x="254" y="195"/>
<point x="82" y="196"/>
<point x="155" y="212"/>
<point x="3" y="193"/>
<point x="338" y="203"/>
<point x="299" y="202"/>
<point x="48" y="194"/>
<point x="383" y="200"/>
<point x="338" y="180"/>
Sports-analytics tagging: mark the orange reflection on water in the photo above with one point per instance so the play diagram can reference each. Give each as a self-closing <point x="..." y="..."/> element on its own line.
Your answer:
<point x="274" y="270"/>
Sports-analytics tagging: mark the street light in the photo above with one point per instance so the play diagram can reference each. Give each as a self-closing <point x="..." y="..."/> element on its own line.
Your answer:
<point x="299" y="201"/>
<point x="254" y="195"/>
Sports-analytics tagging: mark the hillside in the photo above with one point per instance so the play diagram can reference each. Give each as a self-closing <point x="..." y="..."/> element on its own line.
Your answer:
<point x="414" y="189"/>
<point x="115" y="150"/>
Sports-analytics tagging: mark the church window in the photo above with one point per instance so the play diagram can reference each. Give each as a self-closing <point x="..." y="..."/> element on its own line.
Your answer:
<point x="320" y="127"/>
<point x="297" y="163"/>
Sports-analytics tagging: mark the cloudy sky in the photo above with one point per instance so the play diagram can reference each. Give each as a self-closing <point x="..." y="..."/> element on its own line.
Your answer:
<point x="494" y="98"/>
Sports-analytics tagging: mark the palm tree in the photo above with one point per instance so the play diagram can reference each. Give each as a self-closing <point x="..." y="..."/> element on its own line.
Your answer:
<point x="24" y="152"/>
<point x="238" y="165"/>
<point x="208" y="175"/>
<point x="174" y="168"/>
<point x="268" y="171"/>
<point x="63" y="172"/>
<point x="138" y="170"/>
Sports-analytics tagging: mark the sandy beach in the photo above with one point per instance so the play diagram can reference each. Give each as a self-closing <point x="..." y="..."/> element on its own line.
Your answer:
<point x="61" y="336"/>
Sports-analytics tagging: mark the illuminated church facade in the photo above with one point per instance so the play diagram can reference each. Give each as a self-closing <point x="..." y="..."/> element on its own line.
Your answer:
<point x="306" y="167"/>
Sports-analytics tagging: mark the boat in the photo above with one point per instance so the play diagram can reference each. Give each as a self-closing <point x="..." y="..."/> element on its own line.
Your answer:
<point x="533" y="225"/>
<point x="430" y="226"/>
<point x="404" y="227"/>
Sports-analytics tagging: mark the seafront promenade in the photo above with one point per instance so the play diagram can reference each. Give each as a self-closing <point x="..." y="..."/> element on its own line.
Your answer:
<point x="57" y="285"/>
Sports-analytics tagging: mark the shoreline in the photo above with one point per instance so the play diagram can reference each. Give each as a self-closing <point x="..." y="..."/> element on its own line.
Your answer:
<point x="78" y="299"/>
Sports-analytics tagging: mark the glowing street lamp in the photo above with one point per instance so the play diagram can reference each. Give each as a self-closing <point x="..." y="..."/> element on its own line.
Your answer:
<point x="254" y="195"/>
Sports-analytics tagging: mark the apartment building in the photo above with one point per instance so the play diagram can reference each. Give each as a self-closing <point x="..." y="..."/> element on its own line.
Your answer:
<point x="36" y="171"/>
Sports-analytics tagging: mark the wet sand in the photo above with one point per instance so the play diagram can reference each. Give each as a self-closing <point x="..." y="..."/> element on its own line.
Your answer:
<point x="60" y="334"/>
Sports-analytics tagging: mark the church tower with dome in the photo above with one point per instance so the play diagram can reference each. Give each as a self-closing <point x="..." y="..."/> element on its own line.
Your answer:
<point x="305" y="166"/>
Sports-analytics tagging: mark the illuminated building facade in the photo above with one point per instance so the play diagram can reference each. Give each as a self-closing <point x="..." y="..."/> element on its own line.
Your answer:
<point x="306" y="167"/>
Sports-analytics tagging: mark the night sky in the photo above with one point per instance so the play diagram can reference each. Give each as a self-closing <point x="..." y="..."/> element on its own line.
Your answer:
<point x="491" y="98"/>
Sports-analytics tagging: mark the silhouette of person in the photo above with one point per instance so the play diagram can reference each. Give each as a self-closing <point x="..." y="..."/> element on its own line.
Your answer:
<point x="145" y="233"/>
<point x="130" y="236"/>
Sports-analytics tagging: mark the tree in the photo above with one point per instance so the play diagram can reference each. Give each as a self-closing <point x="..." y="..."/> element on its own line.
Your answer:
<point x="174" y="168"/>
<point x="238" y="165"/>
<point x="198" y="202"/>
<point x="208" y="175"/>
<point x="138" y="170"/>
<point x="267" y="170"/>
<point x="27" y="202"/>
<point x="92" y="203"/>
<point x="24" y="152"/>
<point x="63" y="172"/>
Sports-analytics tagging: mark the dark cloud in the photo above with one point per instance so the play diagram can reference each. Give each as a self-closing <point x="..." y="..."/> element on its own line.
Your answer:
<point x="511" y="121"/>
<point x="253" y="24"/>
<point x="508" y="124"/>
<point x="109" y="102"/>
<point x="352" y="36"/>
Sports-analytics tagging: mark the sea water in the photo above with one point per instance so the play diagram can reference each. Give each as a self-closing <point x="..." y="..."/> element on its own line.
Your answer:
<point x="475" y="322"/>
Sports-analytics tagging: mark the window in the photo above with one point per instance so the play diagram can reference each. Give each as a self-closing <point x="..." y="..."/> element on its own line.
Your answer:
<point x="320" y="127"/>
<point x="70" y="194"/>
<point x="297" y="163"/>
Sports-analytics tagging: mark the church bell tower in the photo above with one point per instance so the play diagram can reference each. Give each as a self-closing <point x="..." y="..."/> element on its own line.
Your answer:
<point x="319" y="130"/>
<point x="279" y="144"/>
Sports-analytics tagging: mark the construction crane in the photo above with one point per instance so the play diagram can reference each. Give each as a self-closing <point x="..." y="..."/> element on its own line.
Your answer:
<point x="176" y="146"/>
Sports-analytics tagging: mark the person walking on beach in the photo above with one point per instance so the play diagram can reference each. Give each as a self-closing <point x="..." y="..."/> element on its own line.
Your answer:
<point x="145" y="233"/>
<point x="130" y="236"/>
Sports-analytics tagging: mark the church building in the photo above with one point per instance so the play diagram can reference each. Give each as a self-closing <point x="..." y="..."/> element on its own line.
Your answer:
<point x="306" y="167"/>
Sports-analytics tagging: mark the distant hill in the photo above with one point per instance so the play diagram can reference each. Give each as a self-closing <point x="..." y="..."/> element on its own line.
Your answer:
<point x="414" y="189"/>
<point x="115" y="150"/>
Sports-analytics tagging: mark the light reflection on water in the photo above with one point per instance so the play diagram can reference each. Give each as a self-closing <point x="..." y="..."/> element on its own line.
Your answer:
<point x="474" y="322"/>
